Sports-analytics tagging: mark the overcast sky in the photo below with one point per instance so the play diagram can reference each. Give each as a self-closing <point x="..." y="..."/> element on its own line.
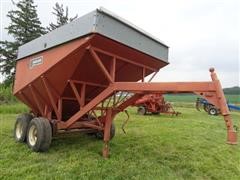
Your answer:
<point x="200" y="33"/>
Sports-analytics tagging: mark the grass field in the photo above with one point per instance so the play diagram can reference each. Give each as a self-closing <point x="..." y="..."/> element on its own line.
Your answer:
<point x="235" y="99"/>
<point x="190" y="146"/>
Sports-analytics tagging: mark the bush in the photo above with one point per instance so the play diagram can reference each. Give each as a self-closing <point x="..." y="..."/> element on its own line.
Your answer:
<point x="6" y="96"/>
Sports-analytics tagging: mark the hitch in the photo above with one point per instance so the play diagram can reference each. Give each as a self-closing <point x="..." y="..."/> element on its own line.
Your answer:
<point x="198" y="104"/>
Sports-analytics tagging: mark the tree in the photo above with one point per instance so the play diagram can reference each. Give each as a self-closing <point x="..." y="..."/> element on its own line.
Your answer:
<point x="61" y="15"/>
<point x="24" y="27"/>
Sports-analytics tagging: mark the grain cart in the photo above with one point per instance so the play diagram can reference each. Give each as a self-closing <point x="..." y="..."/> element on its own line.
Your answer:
<point x="155" y="104"/>
<point x="69" y="79"/>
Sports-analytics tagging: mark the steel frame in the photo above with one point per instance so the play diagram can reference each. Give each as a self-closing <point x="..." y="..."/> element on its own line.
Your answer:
<point x="113" y="99"/>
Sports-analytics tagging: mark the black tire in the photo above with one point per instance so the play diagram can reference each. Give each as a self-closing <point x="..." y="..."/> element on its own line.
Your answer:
<point x="155" y="113"/>
<point x="99" y="134"/>
<point x="141" y="110"/>
<point x="39" y="135"/>
<point x="21" y="127"/>
<point x="213" y="111"/>
<point x="205" y="107"/>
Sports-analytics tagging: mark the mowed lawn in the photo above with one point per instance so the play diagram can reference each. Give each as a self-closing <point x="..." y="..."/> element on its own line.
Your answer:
<point x="190" y="146"/>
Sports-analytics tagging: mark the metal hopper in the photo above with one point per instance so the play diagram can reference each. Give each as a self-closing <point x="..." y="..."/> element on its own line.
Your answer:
<point x="79" y="76"/>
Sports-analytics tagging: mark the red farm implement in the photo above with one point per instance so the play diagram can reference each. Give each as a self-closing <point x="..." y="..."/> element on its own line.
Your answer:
<point x="79" y="77"/>
<point x="155" y="104"/>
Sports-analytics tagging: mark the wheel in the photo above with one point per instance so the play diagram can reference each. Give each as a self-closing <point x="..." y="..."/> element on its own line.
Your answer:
<point x="213" y="111"/>
<point x="142" y="110"/>
<point x="21" y="126"/>
<point x="39" y="134"/>
<point x="99" y="134"/>
<point x="206" y="107"/>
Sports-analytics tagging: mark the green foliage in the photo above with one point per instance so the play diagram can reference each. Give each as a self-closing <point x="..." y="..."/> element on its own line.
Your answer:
<point x="192" y="98"/>
<point x="61" y="15"/>
<point x="190" y="146"/>
<point x="24" y="26"/>
<point x="232" y="90"/>
<point x="8" y="56"/>
<point x="6" y="96"/>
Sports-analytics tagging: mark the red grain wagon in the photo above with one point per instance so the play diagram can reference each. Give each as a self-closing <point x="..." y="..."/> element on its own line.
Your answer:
<point x="78" y="77"/>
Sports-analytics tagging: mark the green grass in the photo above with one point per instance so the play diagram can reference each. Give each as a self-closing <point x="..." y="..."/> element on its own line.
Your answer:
<point x="192" y="98"/>
<point x="190" y="146"/>
<point x="15" y="108"/>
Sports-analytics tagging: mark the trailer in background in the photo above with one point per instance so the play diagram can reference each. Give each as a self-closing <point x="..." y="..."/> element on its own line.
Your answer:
<point x="211" y="109"/>
<point x="155" y="104"/>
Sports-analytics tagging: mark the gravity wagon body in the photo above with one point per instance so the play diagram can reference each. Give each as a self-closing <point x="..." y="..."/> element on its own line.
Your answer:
<point x="79" y="76"/>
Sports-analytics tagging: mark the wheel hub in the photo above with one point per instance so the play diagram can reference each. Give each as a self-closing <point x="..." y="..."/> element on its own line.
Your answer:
<point x="212" y="111"/>
<point x="19" y="130"/>
<point x="32" y="135"/>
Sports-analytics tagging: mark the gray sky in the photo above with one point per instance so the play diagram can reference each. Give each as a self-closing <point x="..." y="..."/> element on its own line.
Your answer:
<point x="200" y="33"/>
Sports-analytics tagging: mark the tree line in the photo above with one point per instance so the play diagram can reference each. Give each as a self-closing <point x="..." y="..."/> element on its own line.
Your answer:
<point x="25" y="26"/>
<point x="232" y="90"/>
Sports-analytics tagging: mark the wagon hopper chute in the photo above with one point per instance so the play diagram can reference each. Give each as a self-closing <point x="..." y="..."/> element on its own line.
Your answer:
<point x="79" y="76"/>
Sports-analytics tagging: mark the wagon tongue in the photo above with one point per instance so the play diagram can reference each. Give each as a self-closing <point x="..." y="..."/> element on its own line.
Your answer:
<point x="198" y="104"/>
